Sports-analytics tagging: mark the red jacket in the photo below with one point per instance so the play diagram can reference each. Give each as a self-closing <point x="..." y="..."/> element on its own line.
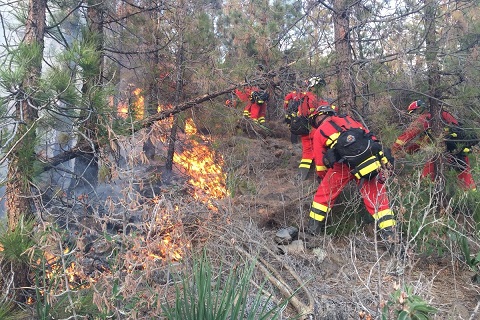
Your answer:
<point x="252" y="109"/>
<point x="309" y="102"/>
<point x="245" y="94"/>
<point x="292" y="95"/>
<point x="418" y="130"/>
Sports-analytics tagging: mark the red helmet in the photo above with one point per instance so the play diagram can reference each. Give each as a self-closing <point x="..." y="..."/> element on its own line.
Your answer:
<point x="415" y="105"/>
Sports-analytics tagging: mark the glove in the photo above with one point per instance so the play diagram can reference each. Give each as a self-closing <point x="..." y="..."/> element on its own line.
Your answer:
<point x="384" y="173"/>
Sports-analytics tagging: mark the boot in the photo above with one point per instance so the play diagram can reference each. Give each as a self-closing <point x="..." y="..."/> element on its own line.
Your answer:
<point x="388" y="235"/>
<point x="315" y="227"/>
<point x="303" y="174"/>
<point x="391" y="240"/>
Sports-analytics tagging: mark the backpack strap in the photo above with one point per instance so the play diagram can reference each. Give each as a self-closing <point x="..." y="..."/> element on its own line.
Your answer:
<point x="332" y="139"/>
<point x="346" y="123"/>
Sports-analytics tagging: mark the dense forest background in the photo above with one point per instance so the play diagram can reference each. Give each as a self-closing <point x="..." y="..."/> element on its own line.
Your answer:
<point x="132" y="191"/>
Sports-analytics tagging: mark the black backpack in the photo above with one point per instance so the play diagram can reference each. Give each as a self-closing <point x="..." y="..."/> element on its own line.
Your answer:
<point x="293" y="105"/>
<point x="259" y="97"/>
<point x="459" y="140"/>
<point x="292" y="109"/>
<point x="299" y="125"/>
<point x="355" y="145"/>
<point x="359" y="150"/>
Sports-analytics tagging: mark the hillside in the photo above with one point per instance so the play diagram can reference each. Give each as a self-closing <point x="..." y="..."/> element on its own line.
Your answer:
<point x="346" y="274"/>
<point x="127" y="243"/>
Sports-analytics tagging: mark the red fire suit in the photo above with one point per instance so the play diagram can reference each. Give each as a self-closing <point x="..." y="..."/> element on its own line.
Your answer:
<point x="416" y="136"/>
<point x="253" y="110"/>
<point x="334" y="179"/>
<point x="309" y="102"/>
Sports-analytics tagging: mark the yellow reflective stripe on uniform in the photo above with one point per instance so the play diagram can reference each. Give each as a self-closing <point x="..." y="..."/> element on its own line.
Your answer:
<point x="331" y="139"/>
<point x="383" y="213"/>
<point x="321" y="207"/>
<point x="261" y="119"/>
<point x="246" y="112"/>
<point x="321" y="168"/>
<point x="386" y="224"/>
<point x="318" y="211"/>
<point x="305" y="163"/>
<point x="316" y="216"/>
<point x="400" y="142"/>
<point x="368" y="168"/>
<point x="386" y="218"/>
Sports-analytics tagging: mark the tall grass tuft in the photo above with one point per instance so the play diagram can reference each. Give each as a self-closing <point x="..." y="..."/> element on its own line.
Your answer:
<point x="203" y="296"/>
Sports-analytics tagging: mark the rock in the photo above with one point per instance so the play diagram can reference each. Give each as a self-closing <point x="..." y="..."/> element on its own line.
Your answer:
<point x="319" y="253"/>
<point x="296" y="247"/>
<point x="286" y="235"/>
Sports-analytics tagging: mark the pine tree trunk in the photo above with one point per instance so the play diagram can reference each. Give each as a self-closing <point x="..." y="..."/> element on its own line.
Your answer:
<point x="345" y="88"/>
<point x="20" y="160"/>
<point x="178" y="96"/>
<point x="22" y="154"/>
<point x="86" y="167"/>
<point x="431" y="53"/>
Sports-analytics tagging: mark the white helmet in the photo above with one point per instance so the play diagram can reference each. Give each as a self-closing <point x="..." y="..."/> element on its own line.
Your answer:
<point x="316" y="81"/>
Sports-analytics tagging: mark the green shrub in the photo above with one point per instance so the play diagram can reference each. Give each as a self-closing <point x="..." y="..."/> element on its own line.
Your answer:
<point x="404" y="305"/>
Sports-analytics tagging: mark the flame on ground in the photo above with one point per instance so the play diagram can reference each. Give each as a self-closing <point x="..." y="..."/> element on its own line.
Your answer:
<point x="205" y="168"/>
<point x="168" y="245"/>
<point x="167" y="241"/>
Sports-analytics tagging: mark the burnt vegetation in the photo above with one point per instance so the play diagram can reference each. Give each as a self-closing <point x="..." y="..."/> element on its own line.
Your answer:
<point x="133" y="190"/>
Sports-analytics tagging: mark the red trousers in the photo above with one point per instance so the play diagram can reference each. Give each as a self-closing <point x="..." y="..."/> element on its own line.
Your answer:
<point x="256" y="111"/>
<point x="307" y="150"/>
<point x="465" y="177"/>
<point x="373" y="193"/>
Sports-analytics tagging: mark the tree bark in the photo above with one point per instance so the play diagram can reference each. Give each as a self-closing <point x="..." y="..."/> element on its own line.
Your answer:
<point x="178" y="96"/>
<point x="86" y="166"/>
<point x="345" y="88"/>
<point x="153" y="90"/>
<point x="21" y="158"/>
<point x="20" y="161"/>
<point x="433" y="71"/>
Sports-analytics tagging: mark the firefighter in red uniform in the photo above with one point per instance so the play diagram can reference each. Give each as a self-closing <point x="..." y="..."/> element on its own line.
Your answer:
<point x="417" y="135"/>
<point x="336" y="171"/>
<point x="307" y="102"/>
<point x="256" y="107"/>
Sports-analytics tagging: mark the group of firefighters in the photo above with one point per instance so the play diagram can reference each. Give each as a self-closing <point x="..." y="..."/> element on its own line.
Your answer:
<point x="341" y="149"/>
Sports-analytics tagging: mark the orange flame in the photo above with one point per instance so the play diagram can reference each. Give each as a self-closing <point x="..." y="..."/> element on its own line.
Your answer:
<point x="205" y="168"/>
<point x="138" y="104"/>
<point x="137" y="109"/>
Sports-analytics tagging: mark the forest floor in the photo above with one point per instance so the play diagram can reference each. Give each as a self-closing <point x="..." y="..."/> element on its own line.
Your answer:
<point x="345" y="275"/>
